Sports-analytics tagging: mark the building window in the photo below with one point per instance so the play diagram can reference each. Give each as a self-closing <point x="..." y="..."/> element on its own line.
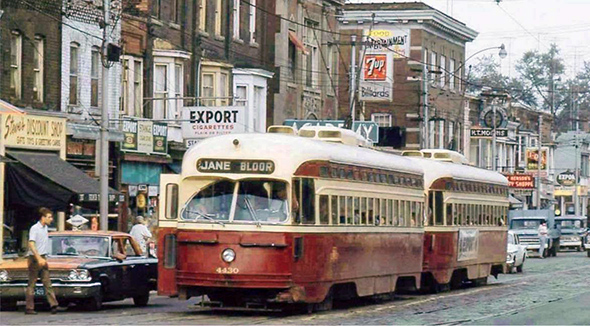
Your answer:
<point x="38" y="56"/>
<point x="94" y="67"/>
<point x="252" y="25"/>
<point x="331" y="69"/>
<point x="160" y="91"/>
<point x="74" y="72"/>
<point x="16" y="42"/>
<point x="312" y="61"/>
<point x="132" y="86"/>
<point x="218" y="18"/>
<point x="443" y="71"/>
<point x="433" y="65"/>
<point x="178" y="84"/>
<point x="241" y="95"/>
<point x="441" y="134"/>
<point x="381" y="119"/>
<point x="203" y="15"/>
<point x="292" y="60"/>
<point x="208" y="89"/>
<point x="256" y="108"/>
<point x="452" y="72"/>
<point x="174" y="12"/>
<point x="157" y="8"/>
<point x="214" y="86"/>
<point x="236" y="23"/>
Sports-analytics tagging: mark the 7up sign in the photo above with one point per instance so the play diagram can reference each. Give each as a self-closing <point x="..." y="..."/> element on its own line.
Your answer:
<point x="367" y="129"/>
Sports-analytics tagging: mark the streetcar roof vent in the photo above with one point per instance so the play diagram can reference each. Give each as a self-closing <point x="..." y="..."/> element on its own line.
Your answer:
<point x="288" y="130"/>
<point x="413" y="153"/>
<point x="333" y="134"/>
<point x="445" y="155"/>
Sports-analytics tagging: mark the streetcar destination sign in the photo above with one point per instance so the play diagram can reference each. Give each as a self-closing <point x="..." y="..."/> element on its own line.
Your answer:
<point x="209" y="165"/>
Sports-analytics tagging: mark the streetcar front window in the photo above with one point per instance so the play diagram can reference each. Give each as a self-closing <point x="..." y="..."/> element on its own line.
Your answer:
<point x="211" y="203"/>
<point x="262" y="201"/>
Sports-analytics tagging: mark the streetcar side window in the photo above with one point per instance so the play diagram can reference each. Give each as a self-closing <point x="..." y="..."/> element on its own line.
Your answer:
<point x="438" y="208"/>
<point x="357" y="214"/>
<point x="171" y="201"/>
<point x="296" y="191"/>
<point x="324" y="209"/>
<point x="363" y="209"/>
<point x="342" y="209"/>
<point x="307" y="201"/>
<point x="335" y="210"/>
<point x="370" y="211"/>
<point x="348" y="210"/>
<point x="390" y="210"/>
<point x="377" y="211"/>
<point x="383" y="212"/>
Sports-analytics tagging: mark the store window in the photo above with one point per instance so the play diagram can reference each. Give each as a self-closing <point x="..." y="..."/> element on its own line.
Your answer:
<point x="16" y="43"/>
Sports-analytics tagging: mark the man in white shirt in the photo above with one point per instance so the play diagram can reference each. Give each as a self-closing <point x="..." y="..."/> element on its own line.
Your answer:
<point x="140" y="233"/>
<point x="37" y="262"/>
<point x="542" y="238"/>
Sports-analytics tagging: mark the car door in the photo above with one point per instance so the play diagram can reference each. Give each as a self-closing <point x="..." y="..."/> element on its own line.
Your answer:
<point x="138" y="266"/>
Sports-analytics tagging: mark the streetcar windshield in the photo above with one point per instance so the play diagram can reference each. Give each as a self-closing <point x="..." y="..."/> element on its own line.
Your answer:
<point x="258" y="201"/>
<point x="211" y="203"/>
<point x="263" y="201"/>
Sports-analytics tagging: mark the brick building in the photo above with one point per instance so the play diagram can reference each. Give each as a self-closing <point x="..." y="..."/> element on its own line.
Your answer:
<point x="307" y="57"/>
<point x="401" y="37"/>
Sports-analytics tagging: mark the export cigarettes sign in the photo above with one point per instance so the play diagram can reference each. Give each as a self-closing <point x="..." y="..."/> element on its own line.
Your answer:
<point x="203" y="122"/>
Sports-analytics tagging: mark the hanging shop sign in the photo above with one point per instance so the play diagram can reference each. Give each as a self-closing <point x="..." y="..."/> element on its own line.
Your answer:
<point x="521" y="181"/>
<point x="380" y="48"/>
<point x="532" y="159"/>
<point x="566" y="178"/>
<point x="34" y="132"/>
<point x="145" y="137"/>
<point x="205" y="121"/>
<point x="486" y="117"/>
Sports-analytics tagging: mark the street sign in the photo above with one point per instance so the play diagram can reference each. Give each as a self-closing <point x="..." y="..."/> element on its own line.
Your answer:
<point x="77" y="220"/>
<point x="367" y="129"/>
<point x="488" y="132"/>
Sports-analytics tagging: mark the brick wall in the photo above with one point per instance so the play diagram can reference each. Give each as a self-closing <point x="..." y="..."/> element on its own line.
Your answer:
<point x="30" y="24"/>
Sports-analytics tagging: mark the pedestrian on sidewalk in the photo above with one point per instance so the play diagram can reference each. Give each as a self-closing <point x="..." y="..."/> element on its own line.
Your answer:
<point x="542" y="238"/>
<point x="37" y="262"/>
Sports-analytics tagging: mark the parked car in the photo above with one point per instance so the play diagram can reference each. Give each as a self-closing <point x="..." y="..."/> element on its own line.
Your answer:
<point x="88" y="268"/>
<point x="586" y="237"/>
<point x="516" y="253"/>
<point x="572" y="228"/>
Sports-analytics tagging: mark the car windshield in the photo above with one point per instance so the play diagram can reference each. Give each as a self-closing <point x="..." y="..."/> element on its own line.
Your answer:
<point x="258" y="201"/>
<point x="79" y="246"/>
<point x="570" y="224"/>
<point x="526" y="224"/>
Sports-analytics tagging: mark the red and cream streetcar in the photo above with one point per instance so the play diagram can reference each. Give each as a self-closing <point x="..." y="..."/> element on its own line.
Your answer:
<point x="260" y="220"/>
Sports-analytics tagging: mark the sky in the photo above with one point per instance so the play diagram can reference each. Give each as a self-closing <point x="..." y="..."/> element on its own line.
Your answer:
<point x="522" y="25"/>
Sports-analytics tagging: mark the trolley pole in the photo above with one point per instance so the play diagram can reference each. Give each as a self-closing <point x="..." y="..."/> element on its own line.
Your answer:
<point x="104" y="128"/>
<point x="352" y="76"/>
<point x="539" y="160"/>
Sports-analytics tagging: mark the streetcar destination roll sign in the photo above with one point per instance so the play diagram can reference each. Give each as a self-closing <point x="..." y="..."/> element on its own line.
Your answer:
<point x="211" y="165"/>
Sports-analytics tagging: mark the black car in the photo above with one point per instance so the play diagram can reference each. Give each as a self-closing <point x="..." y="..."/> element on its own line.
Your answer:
<point x="88" y="268"/>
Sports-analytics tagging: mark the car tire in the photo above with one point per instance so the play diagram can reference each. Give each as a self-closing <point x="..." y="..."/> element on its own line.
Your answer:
<point x="141" y="300"/>
<point x="94" y="303"/>
<point x="588" y="253"/>
<point x="8" y="305"/>
<point x="520" y="268"/>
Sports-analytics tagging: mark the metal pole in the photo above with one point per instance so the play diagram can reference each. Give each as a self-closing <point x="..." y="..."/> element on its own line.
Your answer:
<point x="577" y="173"/>
<point x="352" y="75"/>
<point x="494" y="150"/>
<point x="539" y="160"/>
<point x="104" y="127"/>
<point x="425" y="105"/>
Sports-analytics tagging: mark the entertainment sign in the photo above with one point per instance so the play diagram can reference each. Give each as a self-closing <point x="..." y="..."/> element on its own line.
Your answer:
<point x="488" y="133"/>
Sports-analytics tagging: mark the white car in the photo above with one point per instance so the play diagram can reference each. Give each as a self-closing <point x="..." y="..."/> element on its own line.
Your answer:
<point x="516" y="254"/>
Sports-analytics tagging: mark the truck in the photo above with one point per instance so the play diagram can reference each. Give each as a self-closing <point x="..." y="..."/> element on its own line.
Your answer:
<point x="525" y="224"/>
<point x="572" y="230"/>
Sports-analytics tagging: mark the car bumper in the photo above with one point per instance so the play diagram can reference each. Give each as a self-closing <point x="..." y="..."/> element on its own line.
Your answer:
<point x="62" y="291"/>
<point x="573" y="244"/>
<point x="587" y="246"/>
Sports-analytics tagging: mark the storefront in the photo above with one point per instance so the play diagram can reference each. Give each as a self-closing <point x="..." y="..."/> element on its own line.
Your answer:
<point x="35" y="174"/>
<point x="144" y="156"/>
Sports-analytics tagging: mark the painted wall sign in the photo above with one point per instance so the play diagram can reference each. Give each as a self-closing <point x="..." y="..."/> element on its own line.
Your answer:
<point x="210" y="165"/>
<point x="532" y="159"/>
<point x="35" y="132"/>
<point x="204" y="121"/>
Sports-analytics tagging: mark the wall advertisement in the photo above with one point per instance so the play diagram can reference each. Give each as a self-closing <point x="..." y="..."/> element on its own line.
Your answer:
<point x="468" y="244"/>
<point x="205" y="121"/>
<point x="380" y="48"/>
<point x="145" y="137"/>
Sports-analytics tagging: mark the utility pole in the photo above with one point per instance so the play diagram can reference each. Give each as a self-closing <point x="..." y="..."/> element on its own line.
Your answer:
<point x="104" y="126"/>
<point x="539" y="161"/>
<point x="352" y="76"/>
<point x="425" y="105"/>
<point x="494" y="149"/>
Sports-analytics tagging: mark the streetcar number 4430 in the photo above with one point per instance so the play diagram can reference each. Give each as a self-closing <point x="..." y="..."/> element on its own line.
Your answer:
<point x="226" y="270"/>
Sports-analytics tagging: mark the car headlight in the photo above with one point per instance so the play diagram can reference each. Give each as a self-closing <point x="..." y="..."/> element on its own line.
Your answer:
<point x="79" y="275"/>
<point x="4" y="276"/>
<point x="228" y="255"/>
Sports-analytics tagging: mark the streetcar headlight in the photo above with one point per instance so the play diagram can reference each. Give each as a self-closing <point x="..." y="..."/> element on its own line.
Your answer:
<point x="228" y="255"/>
<point x="4" y="276"/>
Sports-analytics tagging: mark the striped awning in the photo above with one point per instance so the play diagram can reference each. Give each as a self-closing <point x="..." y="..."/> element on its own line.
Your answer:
<point x="7" y="108"/>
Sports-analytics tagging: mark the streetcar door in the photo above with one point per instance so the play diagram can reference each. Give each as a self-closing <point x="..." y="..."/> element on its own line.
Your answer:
<point x="167" y="245"/>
